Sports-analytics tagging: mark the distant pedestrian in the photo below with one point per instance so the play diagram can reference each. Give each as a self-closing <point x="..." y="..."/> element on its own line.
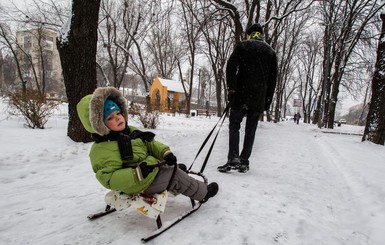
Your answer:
<point x="251" y="75"/>
<point x="297" y="116"/>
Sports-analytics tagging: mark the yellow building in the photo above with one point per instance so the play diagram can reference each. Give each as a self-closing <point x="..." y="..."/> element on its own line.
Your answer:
<point x="165" y="94"/>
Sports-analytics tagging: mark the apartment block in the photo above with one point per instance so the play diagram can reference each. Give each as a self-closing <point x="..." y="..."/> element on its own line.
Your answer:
<point x="39" y="61"/>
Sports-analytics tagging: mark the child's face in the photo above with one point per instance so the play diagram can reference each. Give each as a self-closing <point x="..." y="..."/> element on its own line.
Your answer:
<point x="115" y="121"/>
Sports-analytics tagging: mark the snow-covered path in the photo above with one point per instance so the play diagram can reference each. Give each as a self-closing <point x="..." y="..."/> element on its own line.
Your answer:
<point x="295" y="190"/>
<point x="303" y="187"/>
<point x="311" y="197"/>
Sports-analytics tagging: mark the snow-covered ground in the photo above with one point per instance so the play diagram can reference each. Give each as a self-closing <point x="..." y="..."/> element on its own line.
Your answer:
<point x="304" y="187"/>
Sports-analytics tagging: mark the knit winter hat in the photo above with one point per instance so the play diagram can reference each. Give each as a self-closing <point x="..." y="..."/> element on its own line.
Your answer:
<point x="109" y="107"/>
<point x="255" y="28"/>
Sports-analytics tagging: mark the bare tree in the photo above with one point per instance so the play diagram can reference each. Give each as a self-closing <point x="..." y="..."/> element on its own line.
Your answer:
<point x="272" y="15"/>
<point x="141" y="62"/>
<point x="217" y="52"/>
<point x="290" y="40"/>
<point x="163" y="47"/>
<point x="236" y="16"/>
<point x="124" y="24"/>
<point x="215" y="43"/>
<point x="191" y="30"/>
<point x="309" y="57"/>
<point x="345" y="23"/>
<point x="375" y="122"/>
<point x="7" y="71"/>
<point x="115" y="40"/>
<point x="9" y="41"/>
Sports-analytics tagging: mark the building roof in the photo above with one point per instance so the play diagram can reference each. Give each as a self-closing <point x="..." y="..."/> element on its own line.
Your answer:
<point x="173" y="86"/>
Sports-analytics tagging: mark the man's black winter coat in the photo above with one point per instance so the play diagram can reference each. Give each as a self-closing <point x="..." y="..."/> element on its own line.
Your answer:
<point x="251" y="72"/>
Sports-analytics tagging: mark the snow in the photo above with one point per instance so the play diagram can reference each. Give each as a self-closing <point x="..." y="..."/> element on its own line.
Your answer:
<point x="304" y="187"/>
<point x="64" y="32"/>
<point x="172" y="85"/>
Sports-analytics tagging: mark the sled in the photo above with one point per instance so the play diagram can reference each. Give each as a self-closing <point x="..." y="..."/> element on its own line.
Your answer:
<point x="149" y="205"/>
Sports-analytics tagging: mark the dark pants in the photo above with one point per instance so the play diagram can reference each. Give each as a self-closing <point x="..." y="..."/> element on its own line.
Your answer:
<point x="236" y="117"/>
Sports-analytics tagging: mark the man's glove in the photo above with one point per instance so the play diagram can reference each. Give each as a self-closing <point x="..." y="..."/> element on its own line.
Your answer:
<point x="230" y="95"/>
<point x="145" y="169"/>
<point x="170" y="159"/>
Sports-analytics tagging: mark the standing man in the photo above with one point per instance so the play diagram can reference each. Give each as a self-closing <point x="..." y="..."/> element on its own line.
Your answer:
<point x="251" y="77"/>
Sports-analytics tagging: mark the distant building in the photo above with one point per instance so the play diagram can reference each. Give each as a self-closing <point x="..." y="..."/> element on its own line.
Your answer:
<point x="39" y="60"/>
<point x="165" y="95"/>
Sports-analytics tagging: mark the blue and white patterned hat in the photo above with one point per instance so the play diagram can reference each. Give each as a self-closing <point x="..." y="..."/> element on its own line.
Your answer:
<point x="109" y="107"/>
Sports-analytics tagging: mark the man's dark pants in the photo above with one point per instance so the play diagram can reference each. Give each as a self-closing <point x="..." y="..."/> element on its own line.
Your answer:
<point x="236" y="117"/>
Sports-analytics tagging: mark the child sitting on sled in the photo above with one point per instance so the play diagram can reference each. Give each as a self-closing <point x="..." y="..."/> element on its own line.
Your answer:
<point x="126" y="159"/>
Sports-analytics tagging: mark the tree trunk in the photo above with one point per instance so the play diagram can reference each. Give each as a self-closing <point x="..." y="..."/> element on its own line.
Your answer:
<point x="278" y="99"/>
<point x="375" y="121"/>
<point x="218" y="86"/>
<point x="317" y="112"/>
<point x="235" y="16"/>
<point x="78" y="59"/>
